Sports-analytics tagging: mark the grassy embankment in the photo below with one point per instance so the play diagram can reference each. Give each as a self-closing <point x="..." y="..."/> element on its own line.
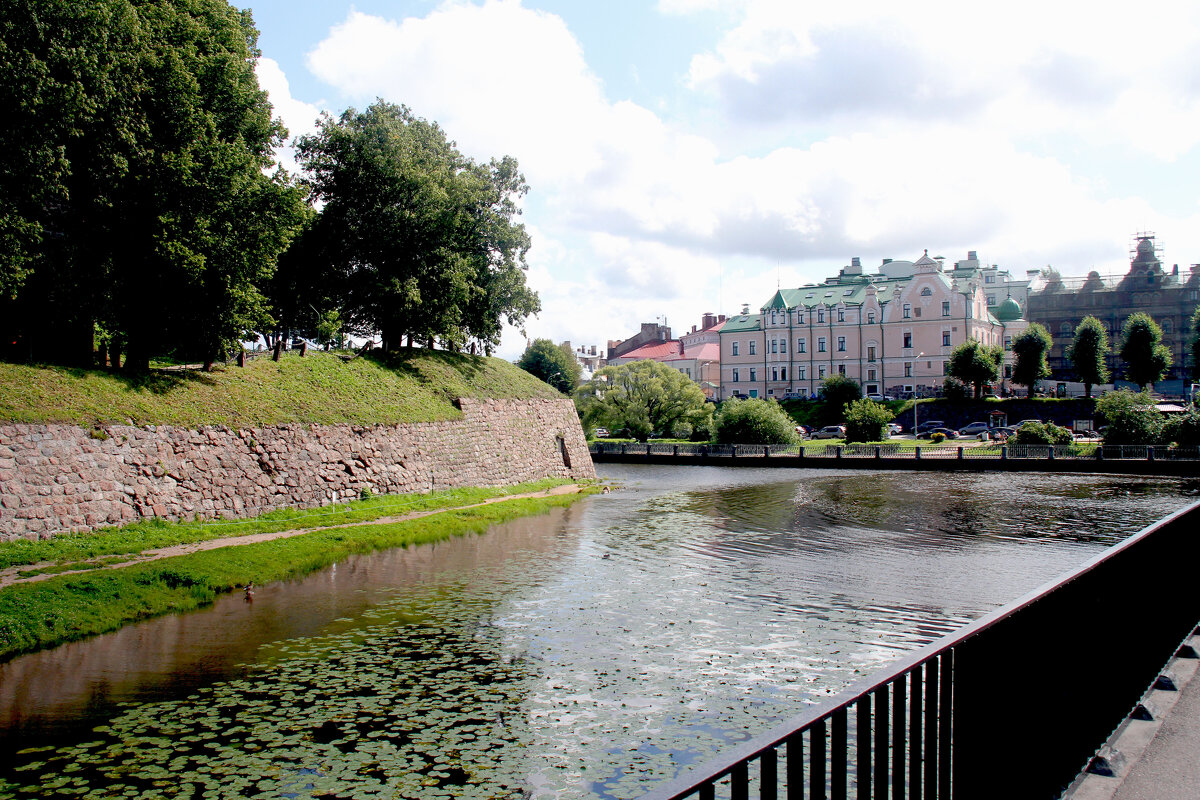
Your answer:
<point x="320" y="389"/>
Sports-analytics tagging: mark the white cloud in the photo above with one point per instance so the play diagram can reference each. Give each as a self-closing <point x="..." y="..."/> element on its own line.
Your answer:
<point x="298" y="117"/>
<point x="917" y="123"/>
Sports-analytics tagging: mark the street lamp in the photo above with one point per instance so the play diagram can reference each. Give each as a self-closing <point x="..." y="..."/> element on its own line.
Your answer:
<point x="919" y="357"/>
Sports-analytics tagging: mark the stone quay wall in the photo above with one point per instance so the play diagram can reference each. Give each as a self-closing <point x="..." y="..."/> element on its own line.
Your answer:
<point x="62" y="478"/>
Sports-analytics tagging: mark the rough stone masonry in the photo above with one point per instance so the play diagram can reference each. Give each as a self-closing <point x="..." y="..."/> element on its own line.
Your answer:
<point x="60" y="478"/>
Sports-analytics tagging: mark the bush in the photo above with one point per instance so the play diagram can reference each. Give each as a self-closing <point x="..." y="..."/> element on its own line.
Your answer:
<point x="753" y="421"/>
<point x="866" y="421"/>
<point x="836" y="392"/>
<point x="1131" y="418"/>
<point x="954" y="389"/>
<point x="1182" y="429"/>
<point x="937" y="438"/>
<point x="1042" y="433"/>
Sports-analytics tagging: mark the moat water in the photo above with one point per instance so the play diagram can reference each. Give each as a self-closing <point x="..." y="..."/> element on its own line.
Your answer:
<point x="590" y="652"/>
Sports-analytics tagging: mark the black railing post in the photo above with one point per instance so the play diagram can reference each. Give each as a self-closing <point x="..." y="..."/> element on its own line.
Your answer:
<point x="960" y="453"/>
<point x="1150" y="452"/>
<point x="766" y="451"/>
<point x="733" y="451"/>
<point x="863" y="745"/>
<point x="878" y="451"/>
<point x="675" y="451"/>
<point x="795" y="766"/>
<point x="945" y="723"/>
<point x="914" y="732"/>
<point x="881" y="742"/>
<point x="837" y="756"/>
<point x="768" y="775"/>
<point x="816" y="765"/>
<point x="931" y="728"/>
<point x="739" y="782"/>
<point x="917" y="452"/>
<point x="898" y="731"/>
<point x="838" y="451"/>
<point x="1003" y="452"/>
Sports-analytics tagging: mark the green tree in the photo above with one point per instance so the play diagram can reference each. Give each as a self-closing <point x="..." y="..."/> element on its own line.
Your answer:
<point x="1146" y="358"/>
<point x="1195" y="342"/>
<point x="149" y="208"/>
<point x="1089" y="353"/>
<point x="1182" y="429"/>
<point x="866" y="421"/>
<point x="975" y="365"/>
<point x="1131" y="418"/>
<point x="554" y="364"/>
<point x="837" y="391"/>
<point x="753" y="421"/>
<point x="1030" y="348"/>
<point x="643" y="397"/>
<point x="421" y="240"/>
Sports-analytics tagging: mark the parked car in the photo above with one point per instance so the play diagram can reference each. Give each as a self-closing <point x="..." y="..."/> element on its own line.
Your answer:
<point x="601" y="432"/>
<point x="930" y="424"/>
<point x="973" y="429"/>
<point x="949" y="433"/>
<point x="876" y="398"/>
<point x="894" y="429"/>
<point x="830" y="432"/>
<point x="1002" y="434"/>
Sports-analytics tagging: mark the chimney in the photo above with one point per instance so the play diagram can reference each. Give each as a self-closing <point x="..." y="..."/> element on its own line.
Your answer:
<point x="855" y="262"/>
<point x="708" y="320"/>
<point x="721" y="318"/>
<point x="971" y="256"/>
<point x="593" y="349"/>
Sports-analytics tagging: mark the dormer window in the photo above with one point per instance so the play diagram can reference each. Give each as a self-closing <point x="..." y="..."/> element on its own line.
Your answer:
<point x="841" y="315"/>
<point x="870" y="317"/>
<point x="926" y="292"/>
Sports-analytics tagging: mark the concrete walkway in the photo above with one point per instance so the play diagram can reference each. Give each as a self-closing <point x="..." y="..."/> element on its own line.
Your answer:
<point x="1156" y="759"/>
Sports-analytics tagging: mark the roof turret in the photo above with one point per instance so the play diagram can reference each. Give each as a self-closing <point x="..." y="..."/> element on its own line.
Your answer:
<point x="1008" y="311"/>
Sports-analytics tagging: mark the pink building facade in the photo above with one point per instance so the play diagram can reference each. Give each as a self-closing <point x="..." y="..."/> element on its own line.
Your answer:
<point x="891" y="332"/>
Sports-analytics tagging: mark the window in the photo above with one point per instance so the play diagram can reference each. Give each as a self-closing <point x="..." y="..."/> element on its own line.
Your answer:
<point x="802" y="373"/>
<point x="991" y="299"/>
<point x="945" y="338"/>
<point x="783" y="345"/>
<point x="870" y="352"/>
<point x="821" y="372"/>
<point x="989" y="278"/>
<point x="926" y="292"/>
<point x="841" y="315"/>
<point x="907" y="311"/>
<point x="945" y="367"/>
<point x="1008" y="370"/>
<point x="801" y="346"/>
<point x="908" y="369"/>
<point x="783" y="373"/>
<point x="870" y="317"/>
<point x="1008" y="343"/>
<point x="907" y="339"/>
<point x="945" y="308"/>
<point x="820" y="315"/>
<point x="821" y="344"/>
<point x="736" y="378"/>
<point x="753" y="375"/>
<point x="772" y="316"/>
<point x="774" y="346"/>
<point x="871" y="375"/>
<point x="841" y="344"/>
<point x="1064" y="329"/>
<point x="774" y="373"/>
<point x="752" y="345"/>
<point x="735" y="351"/>
<point x="800" y="318"/>
<point x="1166" y="326"/>
<point x="841" y="369"/>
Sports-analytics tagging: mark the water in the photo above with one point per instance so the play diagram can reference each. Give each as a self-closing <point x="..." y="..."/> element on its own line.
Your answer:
<point x="586" y="653"/>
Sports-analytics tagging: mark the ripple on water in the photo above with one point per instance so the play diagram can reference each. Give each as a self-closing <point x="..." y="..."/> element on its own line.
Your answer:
<point x="597" y="650"/>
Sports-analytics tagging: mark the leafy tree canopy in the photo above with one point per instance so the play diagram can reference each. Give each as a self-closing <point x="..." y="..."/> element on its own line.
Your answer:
<point x="415" y="239"/>
<point x="1089" y="353"/>
<point x="1030" y="348"/>
<point x="753" y="421"/>
<point x="836" y="392"/>
<point x="1131" y="417"/>
<point x="1146" y="358"/>
<point x="1042" y="433"/>
<point x="554" y="364"/>
<point x="643" y="397"/>
<point x="975" y="364"/>
<point x="866" y="421"/>
<point x="137" y="198"/>
<point x="1195" y="343"/>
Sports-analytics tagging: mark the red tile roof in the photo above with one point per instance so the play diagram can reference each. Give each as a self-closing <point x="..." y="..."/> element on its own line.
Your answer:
<point x="656" y="351"/>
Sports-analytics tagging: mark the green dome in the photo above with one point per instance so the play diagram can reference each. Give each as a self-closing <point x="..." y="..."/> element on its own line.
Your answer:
<point x="1008" y="311"/>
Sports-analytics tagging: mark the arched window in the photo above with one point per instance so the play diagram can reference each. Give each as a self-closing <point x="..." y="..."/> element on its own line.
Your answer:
<point x="1065" y="329"/>
<point x="1166" y="326"/>
<point x="926" y="292"/>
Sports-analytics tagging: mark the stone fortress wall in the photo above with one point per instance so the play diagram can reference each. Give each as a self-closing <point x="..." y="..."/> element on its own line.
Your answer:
<point x="60" y="478"/>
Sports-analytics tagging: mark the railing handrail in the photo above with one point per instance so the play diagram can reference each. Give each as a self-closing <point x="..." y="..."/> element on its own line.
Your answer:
<point x="723" y="764"/>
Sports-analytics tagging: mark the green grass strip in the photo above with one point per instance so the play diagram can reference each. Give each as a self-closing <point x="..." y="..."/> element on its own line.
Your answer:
<point x="156" y="533"/>
<point x="34" y="616"/>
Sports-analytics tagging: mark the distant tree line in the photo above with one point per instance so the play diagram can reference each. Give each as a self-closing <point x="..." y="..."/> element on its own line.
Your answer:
<point x="142" y="212"/>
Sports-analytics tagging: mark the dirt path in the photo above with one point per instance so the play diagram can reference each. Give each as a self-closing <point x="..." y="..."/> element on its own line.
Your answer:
<point x="11" y="576"/>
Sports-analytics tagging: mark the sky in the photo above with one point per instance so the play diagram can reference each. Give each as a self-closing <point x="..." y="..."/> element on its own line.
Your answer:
<point x="691" y="156"/>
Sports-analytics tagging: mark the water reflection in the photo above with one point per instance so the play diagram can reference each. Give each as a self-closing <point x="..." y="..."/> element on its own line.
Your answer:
<point x="584" y="653"/>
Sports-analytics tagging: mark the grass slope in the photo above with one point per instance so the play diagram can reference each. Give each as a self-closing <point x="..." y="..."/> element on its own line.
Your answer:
<point x="320" y="388"/>
<point x="35" y="616"/>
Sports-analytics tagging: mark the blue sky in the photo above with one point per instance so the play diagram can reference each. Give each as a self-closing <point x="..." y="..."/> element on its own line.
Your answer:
<point x="687" y="156"/>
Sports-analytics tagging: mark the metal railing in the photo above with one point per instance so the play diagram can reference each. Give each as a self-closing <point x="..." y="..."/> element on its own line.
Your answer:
<point x="1014" y="705"/>
<point x="944" y="450"/>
